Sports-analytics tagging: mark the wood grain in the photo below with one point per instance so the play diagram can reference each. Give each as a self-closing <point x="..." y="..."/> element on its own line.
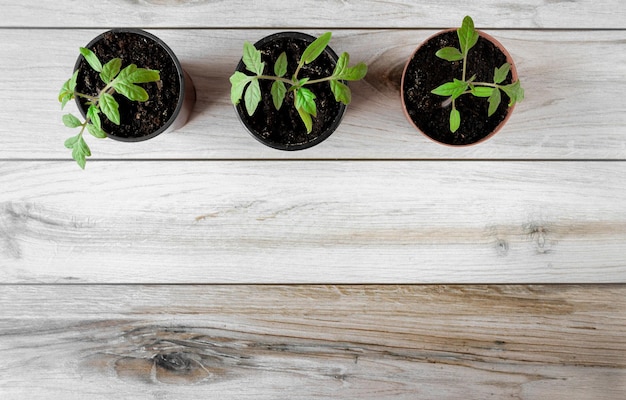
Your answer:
<point x="574" y="14"/>
<point x="313" y="222"/>
<point x="570" y="110"/>
<point x="302" y="342"/>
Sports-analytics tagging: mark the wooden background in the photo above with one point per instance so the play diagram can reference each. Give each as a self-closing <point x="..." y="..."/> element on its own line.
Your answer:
<point x="377" y="265"/>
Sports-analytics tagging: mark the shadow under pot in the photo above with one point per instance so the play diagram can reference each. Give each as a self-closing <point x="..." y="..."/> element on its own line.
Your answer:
<point x="170" y="101"/>
<point x="431" y="113"/>
<point x="283" y="129"/>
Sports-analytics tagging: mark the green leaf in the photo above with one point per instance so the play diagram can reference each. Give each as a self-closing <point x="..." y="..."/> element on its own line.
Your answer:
<point x="69" y="143"/>
<point x="67" y="90"/>
<point x="514" y="91"/>
<point x="126" y="72"/>
<point x="252" y="59"/>
<point x="305" y="100"/>
<point x="316" y="48"/>
<point x="71" y="121"/>
<point x="96" y="132"/>
<point x="143" y="75"/>
<point x="91" y="59"/>
<point x="342" y="64"/>
<point x="455" y="120"/>
<point x="238" y="82"/>
<point x="252" y="96"/>
<point x="481" y="91"/>
<point x="110" y="70"/>
<point x="341" y="91"/>
<point x="355" y="73"/>
<point x="500" y="74"/>
<point x="494" y="101"/>
<point x="306" y="118"/>
<point x="73" y="80"/>
<point x="80" y="150"/>
<point x="131" y="91"/>
<point x="278" y="93"/>
<point x="280" y="68"/>
<point x="449" y="54"/>
<point x="468" y="36"/>
<point x="109" y="107"/>
<point x="453" y="89"/>
<point x="93" y="115"/>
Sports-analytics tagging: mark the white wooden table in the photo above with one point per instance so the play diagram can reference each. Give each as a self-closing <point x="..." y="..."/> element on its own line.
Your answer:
<point x="377" y="265"/>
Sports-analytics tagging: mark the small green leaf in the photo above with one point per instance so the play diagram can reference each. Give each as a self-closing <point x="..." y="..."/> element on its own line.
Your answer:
<point x="342" y="64"/>
<point x="109" y="107"/>
<point x="316" y="48"/>
<point x="468" y="36"/>
<point x="494" y="102"/>
<point x="500" y="74"/>
<point x="143" y="75"/>
<point x="305" y="100"/>
<point x="67" y="90"/>
<point x="80" y="150"/>
<point x="280" y="68"/>
<point x="514" y="91"/>
<point x="71" y="121"/>
<point x="73" y="80"/>
<point x="131" y="91"/>
<point x="455" y="120"/>
<point x="278" y="93"/>
<point x="355" y="73"/>
<point x="252" y="59"/>
<point x="450" y="54"/>
<point x="91" y="59"/>
<point x="238" y="82"/>
<point x="126" y="72"/>
<point x="110" y="70"/>
<point x="252" y="96"/>
<point x="481" y="91"/>
<point x="341" y="91"/>
<point x="453" y="89"/>
<point x="94" y="117"/>
<point x="306" y="118"/>
<point x="69" y="143"/>
<point x="65" y="100"/>
<point x="96" y="132"/>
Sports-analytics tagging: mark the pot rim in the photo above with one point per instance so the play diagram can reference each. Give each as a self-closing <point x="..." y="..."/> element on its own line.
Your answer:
<point x="279" y="146"/>
<point x="510" y="109"/>
<point x="181" y="80"/>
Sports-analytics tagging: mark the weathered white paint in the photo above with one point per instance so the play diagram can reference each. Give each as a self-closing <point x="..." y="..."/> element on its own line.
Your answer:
<point x="572" y="14"/>
<point x="313" y="222"/>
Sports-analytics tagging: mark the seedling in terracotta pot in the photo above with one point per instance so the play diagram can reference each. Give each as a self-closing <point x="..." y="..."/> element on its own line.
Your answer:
<point x="114" y="79"/>
<point x="468" y="37"/>
<point x="304" y="97"/>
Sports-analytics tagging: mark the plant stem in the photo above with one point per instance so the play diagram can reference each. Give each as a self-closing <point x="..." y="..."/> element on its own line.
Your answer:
<point x="275" y="78"/>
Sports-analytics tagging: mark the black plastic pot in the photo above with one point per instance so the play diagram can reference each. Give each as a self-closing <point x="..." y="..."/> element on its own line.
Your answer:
<point x="177" y="81"/>
<point x="293" y="137"/>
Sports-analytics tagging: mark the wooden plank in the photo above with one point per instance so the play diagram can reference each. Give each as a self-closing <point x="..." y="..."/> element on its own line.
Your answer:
<point x="313" y="222"/>
<point x="340" y="342"/>
<point x="570" y="112"/>
<point x="573" y="14"/>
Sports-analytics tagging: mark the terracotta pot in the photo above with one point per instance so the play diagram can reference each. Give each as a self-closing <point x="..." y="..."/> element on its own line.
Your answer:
<point x="180" y="82"/>
<point x="272" y="135"/>
<point x="427" y="131"/>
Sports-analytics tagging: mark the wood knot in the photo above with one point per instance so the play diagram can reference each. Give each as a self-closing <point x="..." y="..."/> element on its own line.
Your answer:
<point x="173" y="361"/>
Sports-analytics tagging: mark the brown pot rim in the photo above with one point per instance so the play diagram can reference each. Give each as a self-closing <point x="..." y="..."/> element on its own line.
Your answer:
<point x="514" y="77"/>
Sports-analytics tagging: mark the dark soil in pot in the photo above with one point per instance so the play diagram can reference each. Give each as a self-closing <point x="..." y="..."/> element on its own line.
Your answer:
<point x="425" y="71"/>
<point x="138" y="120"/>
<point x="283" y="129"/>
